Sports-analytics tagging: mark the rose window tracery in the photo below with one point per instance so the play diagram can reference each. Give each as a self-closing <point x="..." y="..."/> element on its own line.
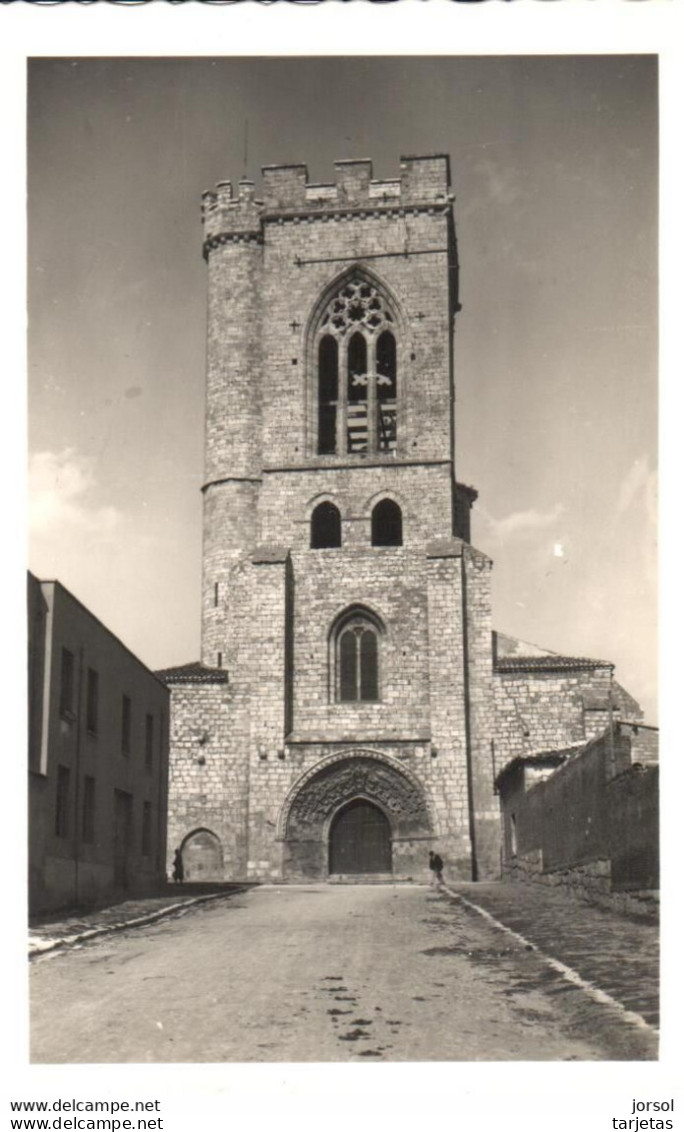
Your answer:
<point x="357" y="304"/>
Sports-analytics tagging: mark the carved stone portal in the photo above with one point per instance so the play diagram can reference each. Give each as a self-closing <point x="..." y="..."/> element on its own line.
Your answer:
<point x="358" y="777"/>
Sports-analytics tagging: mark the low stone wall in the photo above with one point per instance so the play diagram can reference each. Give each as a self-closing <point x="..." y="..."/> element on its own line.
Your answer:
<point x="590" y="827"/>
<point x="590" y="883"/>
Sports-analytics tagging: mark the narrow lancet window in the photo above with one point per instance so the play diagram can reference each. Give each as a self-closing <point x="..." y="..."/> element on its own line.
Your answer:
<point x="348" y="666"/>
<point x="357" y="394"/>
<point x="386" y="377"/>
<point x="327" y="394"/>
<point x="368" y="665"/>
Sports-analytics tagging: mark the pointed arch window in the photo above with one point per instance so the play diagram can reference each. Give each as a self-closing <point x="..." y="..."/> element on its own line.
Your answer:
<point x="387" y="524"/>
<point x="386" y="370"/>
<point x="326" y="526"/>
<point x="327" y="393"/>
<point x="356" y="359"/>
<point x="357" y="659"/>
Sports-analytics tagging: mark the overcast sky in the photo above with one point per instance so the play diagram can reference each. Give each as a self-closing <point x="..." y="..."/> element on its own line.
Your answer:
<point x="554" y="164"/>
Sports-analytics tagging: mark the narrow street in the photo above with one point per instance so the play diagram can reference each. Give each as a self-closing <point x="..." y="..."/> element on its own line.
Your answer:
<point x="320" y="973"/>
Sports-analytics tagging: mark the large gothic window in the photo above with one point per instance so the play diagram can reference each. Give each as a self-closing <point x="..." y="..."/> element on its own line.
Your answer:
<point x="356" y="358"/>
<point x="357" y="660"/>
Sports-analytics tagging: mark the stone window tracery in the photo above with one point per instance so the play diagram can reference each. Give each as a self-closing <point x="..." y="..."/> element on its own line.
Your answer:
<point x="356" y="357"/>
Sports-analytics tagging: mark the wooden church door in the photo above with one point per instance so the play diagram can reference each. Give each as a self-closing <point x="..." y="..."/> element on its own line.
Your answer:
<point x="360" y="840"/>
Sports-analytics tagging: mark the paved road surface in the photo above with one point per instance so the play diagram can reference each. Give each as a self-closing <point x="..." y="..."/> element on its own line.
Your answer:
<point x="318" y="973"/>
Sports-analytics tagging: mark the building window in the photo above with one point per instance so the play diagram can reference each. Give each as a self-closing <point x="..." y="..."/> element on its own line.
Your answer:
<point x="386" y="370"/>
<point x="92" y="693"/>
<point x="357" y="393"/>
<point x="62" y="822"/>
<point x="125" y="725"/>
<point x="326" y="526"/>
<point x="356" y="359"/>
<point x="386" y="524"/>
<point x="357" y="659"/>
<point x="66" y="688"/>
<point x="327" y="394"/>
<point x="88" y="811"/>
<point x="149" y="742"/>
<point x="147" y="829"/>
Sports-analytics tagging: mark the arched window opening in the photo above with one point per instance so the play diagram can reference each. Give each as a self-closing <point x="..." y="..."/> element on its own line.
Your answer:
<point x="356" y="355"/>
<point x="386" y="371"/>
<point x="357" y="394"/>
<point x="327" y="394"/>
<point x="357" y="661"/>
<point x="326" y="527"/>
<point x="386" y="524"/>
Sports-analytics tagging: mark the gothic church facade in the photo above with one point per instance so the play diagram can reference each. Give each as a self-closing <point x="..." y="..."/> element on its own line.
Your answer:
<point x="352" y="705"/>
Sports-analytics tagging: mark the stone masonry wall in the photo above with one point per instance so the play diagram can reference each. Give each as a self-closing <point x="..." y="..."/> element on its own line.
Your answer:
<point x="419" y="284"/>
<point x="590" y="828"/>
<point x="260" y="376"/>
<point x="230" y="533"/>
<point x="544" y="711"/>
<point x="632" y="800"/>
<point x="233" y="450"/>
<point x="447" y="706"/>
<point x="390" y="582"/>
<point x="423" y="492"/>
<point x="207" y="773"/>
<point x="480" y="707"/>
<point x="268" y="696"/>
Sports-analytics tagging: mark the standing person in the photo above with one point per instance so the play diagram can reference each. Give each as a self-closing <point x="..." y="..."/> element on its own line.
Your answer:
<point x="436" y="865"/>
<point x="178" y="870"/>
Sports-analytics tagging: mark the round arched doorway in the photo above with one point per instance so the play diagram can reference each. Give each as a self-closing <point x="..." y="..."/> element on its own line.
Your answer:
<point x="360" y="840"/>
<point x="202" y="857"/>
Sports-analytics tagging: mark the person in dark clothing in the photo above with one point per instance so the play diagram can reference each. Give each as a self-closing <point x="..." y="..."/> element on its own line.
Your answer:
<point x="436" y="865"/>
<point x="178" y="870"/>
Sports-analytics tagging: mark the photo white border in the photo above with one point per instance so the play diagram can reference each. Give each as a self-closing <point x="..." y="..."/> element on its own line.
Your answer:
<point x="443" y="1096"/>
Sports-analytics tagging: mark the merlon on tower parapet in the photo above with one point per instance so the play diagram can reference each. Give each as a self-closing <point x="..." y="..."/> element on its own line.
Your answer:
<point x="424" y="183"/>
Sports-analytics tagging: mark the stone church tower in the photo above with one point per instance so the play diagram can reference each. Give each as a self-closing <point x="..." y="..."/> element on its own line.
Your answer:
<point x="345" y="714"/>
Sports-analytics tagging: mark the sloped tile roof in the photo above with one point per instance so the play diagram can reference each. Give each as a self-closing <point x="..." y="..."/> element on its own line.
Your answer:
<point x="541" y="758"/>
<point x="193" y="673"/>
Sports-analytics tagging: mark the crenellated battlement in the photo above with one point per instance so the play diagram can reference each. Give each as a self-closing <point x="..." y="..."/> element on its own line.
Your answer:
<point x="423" y="183"/>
